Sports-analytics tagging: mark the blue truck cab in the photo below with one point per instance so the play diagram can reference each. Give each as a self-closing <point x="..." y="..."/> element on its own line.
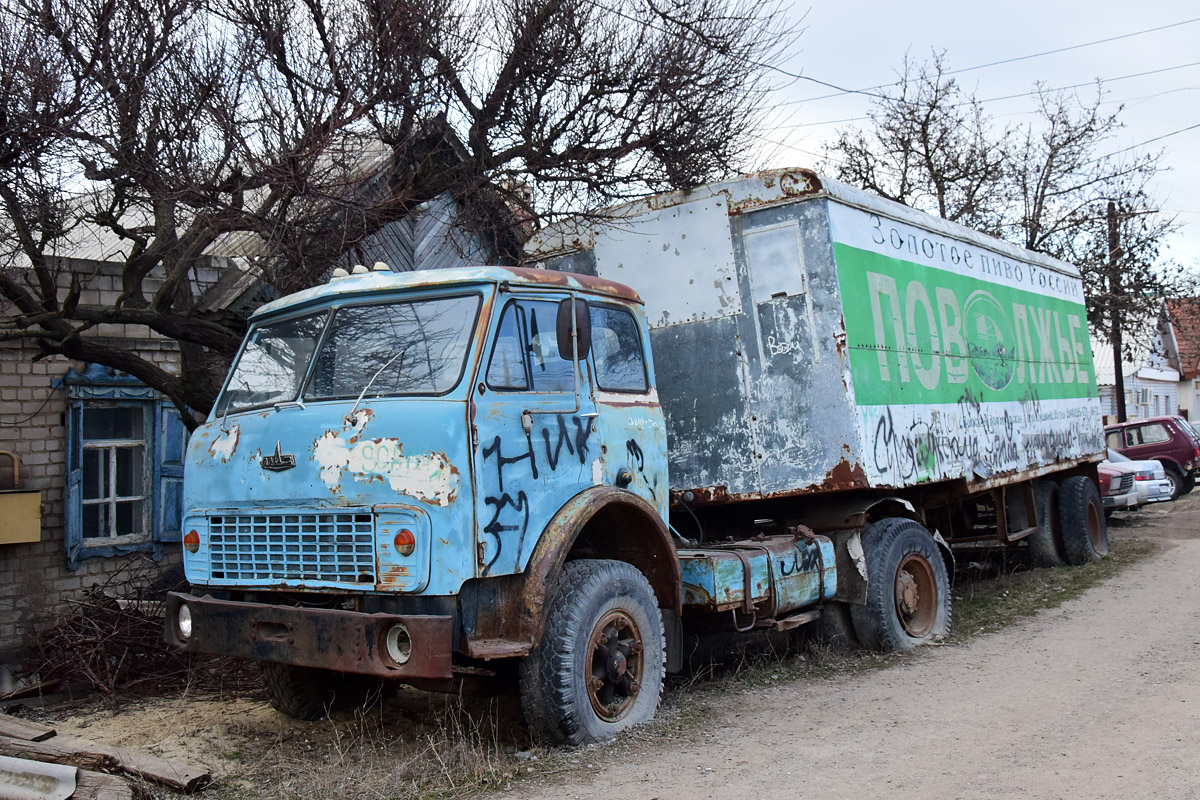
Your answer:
<point x="421" y="475"/>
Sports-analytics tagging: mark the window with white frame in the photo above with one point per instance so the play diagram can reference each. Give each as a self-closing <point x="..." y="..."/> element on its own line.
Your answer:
<point x="125" y="447"/>
<point x="115" y="483"/>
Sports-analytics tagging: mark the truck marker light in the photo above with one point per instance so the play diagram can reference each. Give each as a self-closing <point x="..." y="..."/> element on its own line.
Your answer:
<point x="191" y="542"/>
<point x="399" y="644"/>
<point x="183" y="622"/>
<point x="405" y="542"/>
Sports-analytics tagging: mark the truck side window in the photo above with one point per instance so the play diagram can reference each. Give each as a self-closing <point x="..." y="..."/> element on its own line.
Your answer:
<point x="617" y="349"/>
<point x="525" y="356"/>
<point x="507" y="368"/>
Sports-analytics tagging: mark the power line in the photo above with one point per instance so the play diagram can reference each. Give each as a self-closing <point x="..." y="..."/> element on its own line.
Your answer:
<point x="1072" y="47"/>
<point x="869" y="89"/>
<point x="1143" y="144"/>
<point x="1017" y="96"/>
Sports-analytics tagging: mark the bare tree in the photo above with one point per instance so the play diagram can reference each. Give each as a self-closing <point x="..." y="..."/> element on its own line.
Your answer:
<point x="929" y="146"/>
<point x="181" y="128"/>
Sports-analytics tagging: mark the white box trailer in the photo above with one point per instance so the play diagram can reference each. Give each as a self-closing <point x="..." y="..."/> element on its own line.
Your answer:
<point x="810" y="338"/>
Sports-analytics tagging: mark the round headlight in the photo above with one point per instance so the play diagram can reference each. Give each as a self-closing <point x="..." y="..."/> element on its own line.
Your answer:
<point x="183" y="622"/>
<point x="399" y="644"/>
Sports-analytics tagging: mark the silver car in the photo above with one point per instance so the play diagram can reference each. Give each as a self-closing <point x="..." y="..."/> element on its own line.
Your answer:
<point x="1150" y="479"/>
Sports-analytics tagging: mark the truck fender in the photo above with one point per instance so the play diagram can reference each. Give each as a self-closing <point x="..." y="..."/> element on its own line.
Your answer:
<point x="599" y="522"/>
<point x="852" y="564"/>
<point x="947" y="554"/>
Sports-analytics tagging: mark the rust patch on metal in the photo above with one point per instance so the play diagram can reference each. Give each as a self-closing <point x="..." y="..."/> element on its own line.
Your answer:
<point x="511" y="619"/>
<point x="843" y="477"/>
<point x="346" y="641"/>
<point x="394" y="575"/>
<point x="793" y="183"/>
<point x="572" y="280"/>
<point x="224" y="445"/>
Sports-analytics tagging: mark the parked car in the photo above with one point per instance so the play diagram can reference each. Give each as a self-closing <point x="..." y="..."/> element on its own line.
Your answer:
<point x="1117" y="487"/>
<point x="1150" y="478"/>
<point x="1170" y="440"/>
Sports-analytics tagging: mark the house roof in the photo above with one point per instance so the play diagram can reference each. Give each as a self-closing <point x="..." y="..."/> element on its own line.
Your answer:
<point x="1185" y="319"/>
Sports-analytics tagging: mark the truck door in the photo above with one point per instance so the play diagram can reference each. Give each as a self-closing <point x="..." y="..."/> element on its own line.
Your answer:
<point x="630" y="421"/>
<point x="534" y="449"/>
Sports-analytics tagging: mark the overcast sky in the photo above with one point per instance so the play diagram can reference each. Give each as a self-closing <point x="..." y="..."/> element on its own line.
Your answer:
<point x="861" y="44"/>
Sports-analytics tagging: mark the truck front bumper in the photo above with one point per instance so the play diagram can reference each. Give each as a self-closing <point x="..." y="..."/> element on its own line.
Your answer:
<point x="346" y="641"/>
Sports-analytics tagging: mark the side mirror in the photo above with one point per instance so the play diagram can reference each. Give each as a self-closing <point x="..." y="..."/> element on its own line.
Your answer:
<point x="583" y="327"/>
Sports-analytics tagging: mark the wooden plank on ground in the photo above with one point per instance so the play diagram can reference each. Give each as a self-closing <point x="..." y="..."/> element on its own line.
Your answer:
<point x="58" y="751"/>
<point x="97" y="786"/>
<point x="17" y="728"/>
<point x="176" y="773"/>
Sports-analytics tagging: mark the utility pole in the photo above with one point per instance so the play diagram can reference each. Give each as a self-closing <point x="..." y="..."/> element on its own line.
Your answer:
<point x="1114" y="308"/>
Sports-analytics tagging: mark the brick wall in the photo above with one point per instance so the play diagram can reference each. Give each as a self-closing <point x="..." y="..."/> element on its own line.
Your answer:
<point x="35" y="582"/>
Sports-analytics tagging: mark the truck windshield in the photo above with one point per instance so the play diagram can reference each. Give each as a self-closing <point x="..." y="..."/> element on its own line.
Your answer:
<point x="411" y="347"/>
<point x="417" y="347"/>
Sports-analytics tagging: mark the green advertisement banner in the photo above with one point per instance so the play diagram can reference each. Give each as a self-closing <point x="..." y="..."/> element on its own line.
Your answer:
<point x="923" y="335"/>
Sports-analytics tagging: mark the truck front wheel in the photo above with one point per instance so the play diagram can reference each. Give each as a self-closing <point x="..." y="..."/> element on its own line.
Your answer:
<point x="310" y="694"/>
<point x="908" y="591"/>
<point x="599" y="667"/>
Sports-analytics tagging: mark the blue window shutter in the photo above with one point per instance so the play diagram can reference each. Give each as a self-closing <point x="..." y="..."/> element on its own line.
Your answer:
<point x="168" y="473"/>
<point x="74" y="510"/>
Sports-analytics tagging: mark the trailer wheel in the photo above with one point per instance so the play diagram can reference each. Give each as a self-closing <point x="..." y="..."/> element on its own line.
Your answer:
<point x="599" y="667"/>
<point x="1084" y="533"/>
<point x="908" y="592"/>
<point x="1045" y="544"/>
<point x="310" y="694"/>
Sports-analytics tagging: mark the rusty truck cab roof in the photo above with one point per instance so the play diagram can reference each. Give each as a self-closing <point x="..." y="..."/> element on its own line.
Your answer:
<point x="369" y="283"/>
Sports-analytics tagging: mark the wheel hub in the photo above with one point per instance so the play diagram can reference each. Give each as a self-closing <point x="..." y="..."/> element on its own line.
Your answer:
<point x="915" y="594"/>
<point x="616" y="665"/>
<point x="909" y="595"/>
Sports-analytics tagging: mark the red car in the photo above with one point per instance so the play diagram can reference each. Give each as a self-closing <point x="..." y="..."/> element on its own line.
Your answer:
<point x="1118" y="487"/>
<point x="1170" y="440"/>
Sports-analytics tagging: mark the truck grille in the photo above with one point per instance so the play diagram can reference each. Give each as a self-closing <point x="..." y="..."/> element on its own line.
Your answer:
<point x="1126" y="484"/>
<point x="329" y="548"/>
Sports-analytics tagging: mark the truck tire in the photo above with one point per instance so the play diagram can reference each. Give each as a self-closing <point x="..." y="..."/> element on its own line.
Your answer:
<point x="310" y="694"/>
<point x="1189" y="482"/>
<point x="835" y="627"/>
<point x="599" y="666"/>
<point x="1084" y="532"/>
<point x="1045" y="545"/>
<point x="908" y="591"/>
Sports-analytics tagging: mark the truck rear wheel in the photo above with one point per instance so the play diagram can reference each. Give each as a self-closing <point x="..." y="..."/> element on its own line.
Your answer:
<point x="1084" y="533"/>
<point x="599" y="667"/>
<point x="310" y="694"/>
<point x="1045" y="545"/>
<point x="908" y="591"/>
<point x="835" y="628"/>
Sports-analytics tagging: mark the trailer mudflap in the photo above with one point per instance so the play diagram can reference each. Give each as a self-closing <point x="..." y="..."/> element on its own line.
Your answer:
<point x="345" y="641"/>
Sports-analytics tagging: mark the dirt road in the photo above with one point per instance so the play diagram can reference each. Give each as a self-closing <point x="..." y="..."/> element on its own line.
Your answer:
<point x="1097" y="698"/>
